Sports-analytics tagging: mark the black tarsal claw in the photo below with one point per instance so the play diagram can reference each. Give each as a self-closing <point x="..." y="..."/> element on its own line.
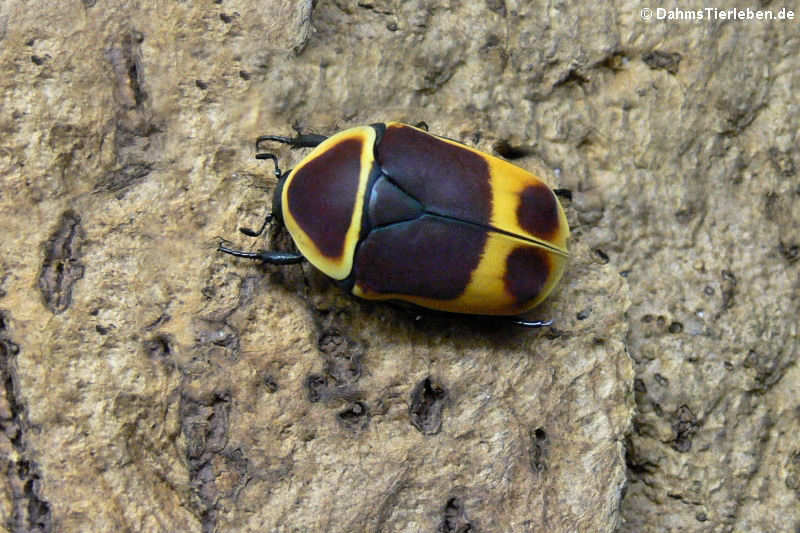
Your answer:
<point x="265" y="155"/>
<point x="251" y="233"/>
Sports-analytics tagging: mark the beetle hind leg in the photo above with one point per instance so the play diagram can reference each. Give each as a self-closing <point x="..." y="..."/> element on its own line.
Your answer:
<point x="265" y="256"/>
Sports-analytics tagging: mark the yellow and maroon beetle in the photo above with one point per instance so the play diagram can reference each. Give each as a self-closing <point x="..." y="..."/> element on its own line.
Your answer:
<point x="391" y="212"/>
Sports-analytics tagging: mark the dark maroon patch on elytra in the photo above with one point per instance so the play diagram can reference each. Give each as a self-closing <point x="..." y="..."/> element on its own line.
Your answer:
<point x="322" y="195"/>
<point x="447" y="179"/>
<point x="538" y="211"/>
<point x="430" y="257"/>
<point x="527" y="269"/>
<point x="389" y="204"/>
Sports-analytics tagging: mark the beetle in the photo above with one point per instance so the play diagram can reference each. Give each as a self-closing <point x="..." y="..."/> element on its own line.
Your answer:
<point x="392" y="212"/>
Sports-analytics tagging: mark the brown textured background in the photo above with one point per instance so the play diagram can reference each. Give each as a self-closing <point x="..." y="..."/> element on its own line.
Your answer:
<point x="151" y="384"/>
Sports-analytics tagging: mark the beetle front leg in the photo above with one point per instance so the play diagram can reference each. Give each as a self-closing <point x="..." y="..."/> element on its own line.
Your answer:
<point x="265" y="256"/>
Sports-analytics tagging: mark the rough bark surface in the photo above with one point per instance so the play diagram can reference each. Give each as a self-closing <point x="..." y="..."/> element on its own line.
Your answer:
<point x="152" y="384"/>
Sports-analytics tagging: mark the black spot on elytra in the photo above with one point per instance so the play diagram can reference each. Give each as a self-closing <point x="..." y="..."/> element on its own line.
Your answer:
<point x="454" y="519"/>
<point x="527" y="270"/>
<point x="538" y="211"/>
<point x="355" y="417"/>
<point x="61" y="267"/>
<point x="540" y="449"/>
<point x="427" y="402"/>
